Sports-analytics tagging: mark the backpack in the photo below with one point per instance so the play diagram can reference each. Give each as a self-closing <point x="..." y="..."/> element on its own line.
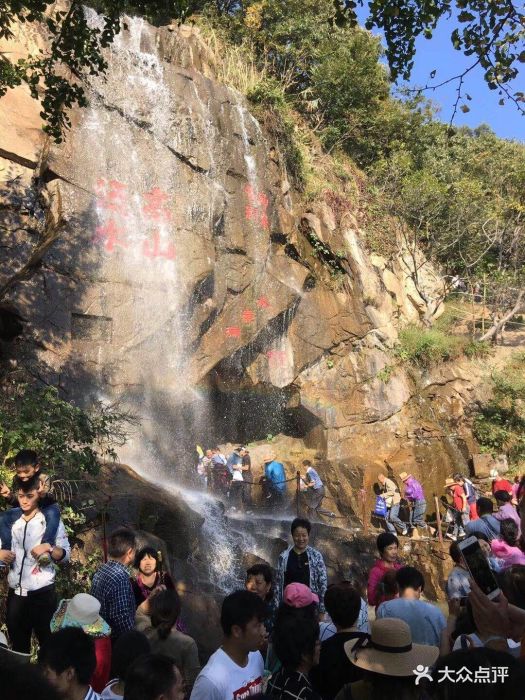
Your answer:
<point x="380" y="508"/>
<point x="471" y="491"/>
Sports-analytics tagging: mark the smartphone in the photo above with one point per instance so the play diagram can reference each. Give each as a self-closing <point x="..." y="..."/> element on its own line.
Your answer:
<point x="478" y="567"/>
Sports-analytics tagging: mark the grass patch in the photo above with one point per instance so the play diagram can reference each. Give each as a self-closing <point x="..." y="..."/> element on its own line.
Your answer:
<point x="425" y="347"/>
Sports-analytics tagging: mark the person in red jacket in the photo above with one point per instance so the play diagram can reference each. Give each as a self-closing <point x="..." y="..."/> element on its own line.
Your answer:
<point x="83" y="611"/>
<point x="387" y="546"/>
<point x="499" y="483"/>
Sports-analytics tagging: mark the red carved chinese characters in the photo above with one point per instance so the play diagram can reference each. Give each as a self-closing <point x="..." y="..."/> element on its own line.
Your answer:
<point x="248" y="316"/>
<point x="277" y="357"/>
<point x="257" y="205"/>
<point x="113" y="205"/>
<point x="233" y="332"/>
<point x="155" y="206"/>
<point x="154" y="250"/>
<point x="263" y="303"/>
<point x="111" y="235"/>
<point x="112" y="196"/>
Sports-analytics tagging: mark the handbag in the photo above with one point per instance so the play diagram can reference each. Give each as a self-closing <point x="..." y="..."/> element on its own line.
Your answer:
<point x="380" y="508"/>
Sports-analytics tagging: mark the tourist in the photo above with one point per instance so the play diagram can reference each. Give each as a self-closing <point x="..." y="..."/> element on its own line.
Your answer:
<point x="505" y="547"/>
<point x="416" y="499"/>
<point x="516" y="488"/>
<point x="69" y="662"/>
<point x="275" y="478"/>
<point x="236" y="669"/>
<point x="31" y="600"/>
<point x="343" y="604"/>
<point x="388" y="547"/>
<point x="220" y="473"/>
<point x="237" y="480"/>
<point x="302" y="564"/>
<point x="247" y="494"/>
<point x="388" y="659"/>
<point x="296" y="644"/>
<point x="150" y="574"/>
<point x="460" y="509"/>
<point x="486" y="523"/>
<point x="203" y="467"/>
<point x="315" y="491"/>
<point x="426" y="621"/>
<point x="471" y="493"/>
<point x="157" y="617"/>
<point x="128" y="648"/>
<point x="499" y="483"/>
<point x="234" y="460"/>
<point x="392" y="497"/>
<point x="259" y="580"/>
<point x="26" y="682"/>
<point x="154" y="677"/>
<point x="327" y="628"/>
<point x="458" y="582"/>
<point x="506" y="509"/>
<point x="83" y="611"/>
<point x="112" y="586"/>
<point x="27" y="468"/>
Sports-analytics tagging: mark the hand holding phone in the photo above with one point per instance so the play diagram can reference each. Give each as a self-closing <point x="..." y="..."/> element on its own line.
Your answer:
<point x="479" y="568"/>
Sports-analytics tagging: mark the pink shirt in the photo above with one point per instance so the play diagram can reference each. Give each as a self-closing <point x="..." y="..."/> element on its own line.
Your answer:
<point x="375" y="577"/>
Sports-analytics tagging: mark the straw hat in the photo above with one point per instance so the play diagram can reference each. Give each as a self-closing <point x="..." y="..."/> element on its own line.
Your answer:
<point x="450" y="482"/>
<point x="83" y="610"/>
<point x="389" y="650"/>
<point x="404" y="476"/>
<point x="269" y="456"/>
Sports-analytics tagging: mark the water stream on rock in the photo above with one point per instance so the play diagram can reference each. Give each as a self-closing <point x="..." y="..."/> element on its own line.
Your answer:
<point x="141" y="214"/>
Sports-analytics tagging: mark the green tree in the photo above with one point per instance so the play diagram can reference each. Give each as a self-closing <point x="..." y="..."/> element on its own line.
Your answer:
<point x="69" y="440"/>
<point x="492" y="33"/>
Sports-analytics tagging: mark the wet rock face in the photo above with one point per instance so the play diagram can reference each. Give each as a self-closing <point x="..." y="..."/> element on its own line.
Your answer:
<point x="183" y="282"/>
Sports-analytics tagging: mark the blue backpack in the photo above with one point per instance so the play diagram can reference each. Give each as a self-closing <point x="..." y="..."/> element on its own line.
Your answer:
<point x="380" y="508"/>
<point x="471" y="491"/>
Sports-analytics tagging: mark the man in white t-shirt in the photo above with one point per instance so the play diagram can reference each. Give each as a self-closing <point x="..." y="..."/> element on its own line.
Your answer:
<point x="235" y="670"/>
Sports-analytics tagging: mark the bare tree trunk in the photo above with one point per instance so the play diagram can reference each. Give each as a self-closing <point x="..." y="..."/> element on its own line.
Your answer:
<point x="493" y="331"/>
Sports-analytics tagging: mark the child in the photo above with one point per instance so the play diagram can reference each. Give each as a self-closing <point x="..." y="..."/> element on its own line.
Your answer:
<point x="27" y="466"/>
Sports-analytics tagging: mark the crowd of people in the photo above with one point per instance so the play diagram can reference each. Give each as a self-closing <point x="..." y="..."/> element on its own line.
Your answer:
<point x="232" y="479"/>
<point x="287" y="634"/>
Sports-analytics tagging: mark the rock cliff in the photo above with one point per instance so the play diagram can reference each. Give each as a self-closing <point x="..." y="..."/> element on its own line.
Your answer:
<point x="191" y="282"/>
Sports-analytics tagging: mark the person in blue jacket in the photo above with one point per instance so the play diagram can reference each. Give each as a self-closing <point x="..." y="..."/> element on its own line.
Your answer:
<point x="275" y="477"/>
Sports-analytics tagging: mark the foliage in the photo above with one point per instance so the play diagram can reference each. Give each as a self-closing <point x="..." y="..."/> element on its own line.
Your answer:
<point x="491" y="32"/>
<point x="425" y="347"/>
<point x="385" y="373"/>
<point x="76" y="576"/>
<point x="68" y="439"/>
<point x="499" y="425"/>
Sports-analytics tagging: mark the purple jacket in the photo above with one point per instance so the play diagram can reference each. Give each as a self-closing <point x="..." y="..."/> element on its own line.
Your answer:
<point x="413" y="490"/>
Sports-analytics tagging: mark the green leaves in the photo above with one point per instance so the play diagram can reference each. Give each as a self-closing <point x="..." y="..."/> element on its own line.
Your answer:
<point x="69" y="440"/>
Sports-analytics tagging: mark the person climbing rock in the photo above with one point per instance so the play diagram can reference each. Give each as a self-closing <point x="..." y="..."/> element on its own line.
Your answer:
<point x="392" y="497"/>
<point x="415" y="496"/>
<point x="314" y="488"/>
<point x="275" y="478"/>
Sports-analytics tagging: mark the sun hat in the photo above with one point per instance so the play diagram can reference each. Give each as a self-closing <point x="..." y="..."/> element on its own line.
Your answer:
<point x="494" y="474"/>
<point x="269" y="456"/>
<point x="404" y="476"/>
<point x="297" y="595"/>
<point x="450" y="482"/>
<point x="83" y="610"/>
<point x="389" y="649"/>
<point x="13" y="656"/>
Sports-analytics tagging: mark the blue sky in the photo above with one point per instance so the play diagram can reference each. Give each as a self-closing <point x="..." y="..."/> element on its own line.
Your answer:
<point x="437" y="53"/>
